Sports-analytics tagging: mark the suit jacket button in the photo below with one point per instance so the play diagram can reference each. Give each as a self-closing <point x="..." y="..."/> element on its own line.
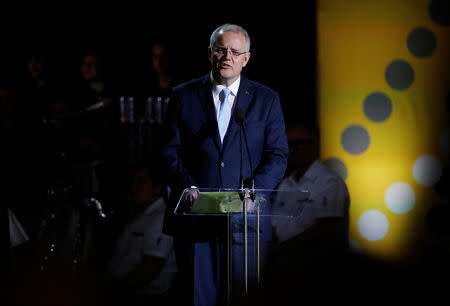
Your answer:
<point x="222" y="164"/>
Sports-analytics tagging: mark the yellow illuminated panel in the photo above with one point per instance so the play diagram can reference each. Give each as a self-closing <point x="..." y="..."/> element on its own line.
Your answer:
<point x="383" y="79"/>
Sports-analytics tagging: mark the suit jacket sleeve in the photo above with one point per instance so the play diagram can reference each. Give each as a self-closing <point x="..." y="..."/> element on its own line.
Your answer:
<point x="270" y="170"/>
<point x="178" y="177"/>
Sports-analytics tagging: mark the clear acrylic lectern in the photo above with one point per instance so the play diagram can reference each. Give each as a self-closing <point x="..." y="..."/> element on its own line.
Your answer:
<point x="248" y="212"/>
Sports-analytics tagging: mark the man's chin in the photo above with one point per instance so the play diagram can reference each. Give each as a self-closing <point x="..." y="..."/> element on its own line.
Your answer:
<point x="226" y="74"/>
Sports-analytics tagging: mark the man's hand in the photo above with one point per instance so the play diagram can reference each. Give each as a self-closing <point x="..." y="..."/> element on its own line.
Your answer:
<point x="248" y="201"/>
<point x="189" y="198"/>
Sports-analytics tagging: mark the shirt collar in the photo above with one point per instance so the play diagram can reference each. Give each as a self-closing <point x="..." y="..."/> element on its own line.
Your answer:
<point x="217" y="88"/>
<point x="309" y="174"/>
<point x="154" y="206"/>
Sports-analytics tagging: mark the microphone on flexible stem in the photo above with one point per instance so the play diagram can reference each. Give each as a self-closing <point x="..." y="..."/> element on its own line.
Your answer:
<point x="239" y="120"/>
<point x="239" y="117"/>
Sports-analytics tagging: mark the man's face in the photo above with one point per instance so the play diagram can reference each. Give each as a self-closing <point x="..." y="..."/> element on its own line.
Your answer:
<point x="141" y="186"/>
<point x="159" y="58"/>
<point x="89" y="67"/>
<point x="227" y="65"/>
<point x="303" y="148"/>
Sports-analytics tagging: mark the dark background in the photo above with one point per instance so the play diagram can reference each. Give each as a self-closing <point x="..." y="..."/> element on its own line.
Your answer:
<point x="283" y="57"/>
<point x="283" y="41"/>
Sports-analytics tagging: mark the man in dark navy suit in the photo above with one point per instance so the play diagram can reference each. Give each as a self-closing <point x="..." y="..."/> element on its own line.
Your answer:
<point x="203" y="147"/>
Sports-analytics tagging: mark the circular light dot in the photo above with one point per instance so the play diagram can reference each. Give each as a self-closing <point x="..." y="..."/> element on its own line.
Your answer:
<point x="399" y="74"/>
<point x="336" y="165"/>
<point x="377" y="107"/>
<point x="373" y="225"/>
<point x="427" y="170"/>
<point x="443" y="141"/>
<point x="355" y="139"/>
<point x="400" y="198"/>
<point x="440" y="11"/>
<point x="421" y="42"/>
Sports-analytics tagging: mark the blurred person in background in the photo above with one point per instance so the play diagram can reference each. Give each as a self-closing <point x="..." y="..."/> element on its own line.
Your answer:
<point x="142" y="265"/>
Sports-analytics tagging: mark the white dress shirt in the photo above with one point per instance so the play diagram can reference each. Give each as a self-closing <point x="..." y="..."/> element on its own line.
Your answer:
<point x="217" y="88"/>
<point x="328" y="197"/>
<point x="143" y="236"/>
<point x="17" y="234"/>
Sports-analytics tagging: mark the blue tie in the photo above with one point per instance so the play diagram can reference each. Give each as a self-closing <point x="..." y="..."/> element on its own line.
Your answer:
<point x="224" y="113"/>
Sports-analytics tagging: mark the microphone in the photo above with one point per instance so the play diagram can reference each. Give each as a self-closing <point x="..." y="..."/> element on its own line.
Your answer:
<point x="239" y="117"/>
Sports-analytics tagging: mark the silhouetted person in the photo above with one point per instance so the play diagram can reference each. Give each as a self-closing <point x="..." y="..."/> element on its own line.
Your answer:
<point x="328" y="194"/>
<point x="142" y="266"/>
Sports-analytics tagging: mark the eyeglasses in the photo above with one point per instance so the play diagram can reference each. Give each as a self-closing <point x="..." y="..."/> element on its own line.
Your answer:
<point x="224" y="51"/>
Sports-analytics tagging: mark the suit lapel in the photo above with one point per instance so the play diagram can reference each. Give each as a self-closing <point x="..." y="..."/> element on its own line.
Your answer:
<point x="206" y="99"/>
<point x="242" y="101"/>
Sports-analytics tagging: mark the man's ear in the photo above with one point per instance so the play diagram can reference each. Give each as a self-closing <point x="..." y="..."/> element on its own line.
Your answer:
<point x="246" y="59"/>
<point x="210" y="55"/>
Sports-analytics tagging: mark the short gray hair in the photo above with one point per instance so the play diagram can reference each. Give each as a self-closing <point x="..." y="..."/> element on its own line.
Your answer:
<point x="228" y="27"/>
